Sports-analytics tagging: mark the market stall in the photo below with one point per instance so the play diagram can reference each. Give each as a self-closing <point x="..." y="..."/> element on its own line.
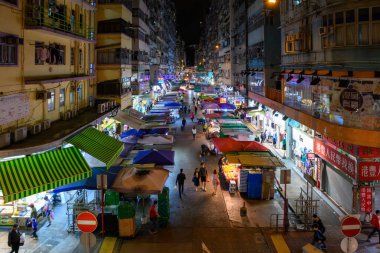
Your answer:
<point x="252" y="172"/>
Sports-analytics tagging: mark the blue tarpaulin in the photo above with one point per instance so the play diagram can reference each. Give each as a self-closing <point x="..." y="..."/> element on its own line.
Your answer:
<point x="90" y="183"/>
<point x="159" y="157"/>
<point x="141" y="132"/>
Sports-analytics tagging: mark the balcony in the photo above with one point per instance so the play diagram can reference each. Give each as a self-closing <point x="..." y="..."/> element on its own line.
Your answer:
<point x="115" y="26"/>
<point x="37" y="17"/>
<point x="126" y="3"/>
<point x="116" y="87"/>
<point x="119" y="56"/>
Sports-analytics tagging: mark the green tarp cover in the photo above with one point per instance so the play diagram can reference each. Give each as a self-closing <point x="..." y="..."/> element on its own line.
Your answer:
<point x="98" y="144"/>
<point x="30" y="175"/>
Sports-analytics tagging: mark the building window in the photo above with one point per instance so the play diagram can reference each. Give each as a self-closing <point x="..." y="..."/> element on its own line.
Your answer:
<point x="62" y="97"/>
<point x="80" y="93"/>
<point x="12" y="2"/>
<point x="350" y="27"/>
<point x="50" y="54"/>
<point x="339" y="29"/>
<point x="80" y="57"/>
<point x="51" y="101"/>
<point x="8" y="51"/>
<point x="72" y="97"/>
<point x="72" y="57"/>
<point x="376" y="25"/>
<point x="363" y="26"/>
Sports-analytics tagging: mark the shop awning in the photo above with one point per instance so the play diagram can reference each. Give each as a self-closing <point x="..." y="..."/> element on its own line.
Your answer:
<point x="132" y="122"/>
<point x="26" y="176"/>
<point x="98" y="144"/>
<point x="255" y="161"/>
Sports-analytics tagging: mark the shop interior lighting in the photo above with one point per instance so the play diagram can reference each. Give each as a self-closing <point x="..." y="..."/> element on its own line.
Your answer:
<point x="315" y="81"/>
<point x="300" y="79"/>
<point x="290" y="77"/>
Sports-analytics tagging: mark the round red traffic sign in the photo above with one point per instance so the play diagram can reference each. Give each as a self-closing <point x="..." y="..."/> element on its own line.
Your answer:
<point x="351" y="226"/>
<point x="87" y="222"/>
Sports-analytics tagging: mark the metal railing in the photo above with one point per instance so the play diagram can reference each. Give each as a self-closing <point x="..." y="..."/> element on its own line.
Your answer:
<point x="39" y="16"/>
<point x="293" y="222"/>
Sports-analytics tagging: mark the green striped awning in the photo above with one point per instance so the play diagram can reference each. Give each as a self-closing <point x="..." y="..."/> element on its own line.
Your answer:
<point x="26" y="176"/>
<point x="98" y="144"/>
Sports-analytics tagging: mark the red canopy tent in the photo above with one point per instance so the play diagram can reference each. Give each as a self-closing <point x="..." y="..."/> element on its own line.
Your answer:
<point x="225" y="145"/>
<point x="213" y="116"/>
<point x="253" y="146"/>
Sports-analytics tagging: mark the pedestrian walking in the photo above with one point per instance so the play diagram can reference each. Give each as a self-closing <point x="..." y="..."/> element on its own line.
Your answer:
<point x="263" y="136"/>
<point x="153" y="216"/>
<point x="14" y="239"/>
<point x="204" y="128"/>
<point x="194" y="131"/>
<point x="180" y="181"/>
<point x="183" y="123"/>
<point x="33" y="213"/>
<point x="196" y="178"/>
<point x="318" y="221"/>
<point x="192" y="116"/>
<point x="48" y="209"/>
<point x="375" y="222"/>
<point x="215" y="181"/>
<point x="195" y="109"/>
<point x="203" y="155"/>
<point x="185" y="109"/>
<point x="34" y="228"/>
<point x="203" y="173"/>
<point x="274" y="139"/>
<point x="318" y="238"/>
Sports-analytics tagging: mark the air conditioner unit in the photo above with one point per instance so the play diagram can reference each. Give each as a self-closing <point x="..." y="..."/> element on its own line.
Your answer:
<point x="65" y="115"/>
<point x="101" y="108"/>
<point x="5" y="140"/>
<point x="20" y="134"/>
<point x="35" y="129"/>
<point x="322" y="30"/>
<point x="46" y="124"/>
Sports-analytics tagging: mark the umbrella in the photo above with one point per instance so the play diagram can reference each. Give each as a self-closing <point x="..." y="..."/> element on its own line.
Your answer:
<point x="140" y="181"/>
<point x="210" y="106"/>
<point x="159" y="157"/>
<point x="172" y="104"/>
<point x="130" y="139"/>
<point x="128" y="147"/>
<point x="227" y="106"/>
<point x="213" y="115"/>
<point x="156" y="140"/>
<point x="129" y="133"/>
<point x="90" y="183"/>
<point x="208" y="99"/>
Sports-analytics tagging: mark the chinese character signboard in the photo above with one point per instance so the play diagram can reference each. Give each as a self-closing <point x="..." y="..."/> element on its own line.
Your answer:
<point x="341" y="161"/>
<point x="366" y="199"/>
<point x="369" y="171"/>
<point x="310" y="156"/>
<point x="369" y="152"/>
<point x="349" y="148"/>
<point x="351" y="99"/>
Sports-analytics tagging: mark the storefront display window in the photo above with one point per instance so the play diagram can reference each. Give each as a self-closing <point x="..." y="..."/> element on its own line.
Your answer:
<point x="302" y="146"/>
<point x="256" y="83"/>
<point x="353" y="103"/>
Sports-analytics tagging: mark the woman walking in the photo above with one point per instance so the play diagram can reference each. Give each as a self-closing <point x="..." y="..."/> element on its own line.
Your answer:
<point x="196" y="179"/>
<point x="194" y="131"/>
<point x="215" y="181"/>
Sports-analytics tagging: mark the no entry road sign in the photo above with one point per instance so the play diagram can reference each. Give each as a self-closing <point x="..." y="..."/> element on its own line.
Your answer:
<point x="351" y="226"/>
<point x="87" y="222"/>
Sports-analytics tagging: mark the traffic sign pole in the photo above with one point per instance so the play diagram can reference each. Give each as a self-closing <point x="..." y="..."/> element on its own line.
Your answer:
<point x="102" y="203"/>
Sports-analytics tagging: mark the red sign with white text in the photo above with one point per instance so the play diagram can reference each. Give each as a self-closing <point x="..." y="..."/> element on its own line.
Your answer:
<point x="341" y="161"/>
<point x="366" y="199"/>
<point x="369" y="171"/>
<point x="369" y="152"/>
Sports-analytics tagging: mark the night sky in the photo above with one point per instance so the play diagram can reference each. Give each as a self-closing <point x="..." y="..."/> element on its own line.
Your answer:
<point x="189" y="15"/>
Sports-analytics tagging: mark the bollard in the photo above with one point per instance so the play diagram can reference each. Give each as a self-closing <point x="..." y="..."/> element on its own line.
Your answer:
<point x="243" y="210"/>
